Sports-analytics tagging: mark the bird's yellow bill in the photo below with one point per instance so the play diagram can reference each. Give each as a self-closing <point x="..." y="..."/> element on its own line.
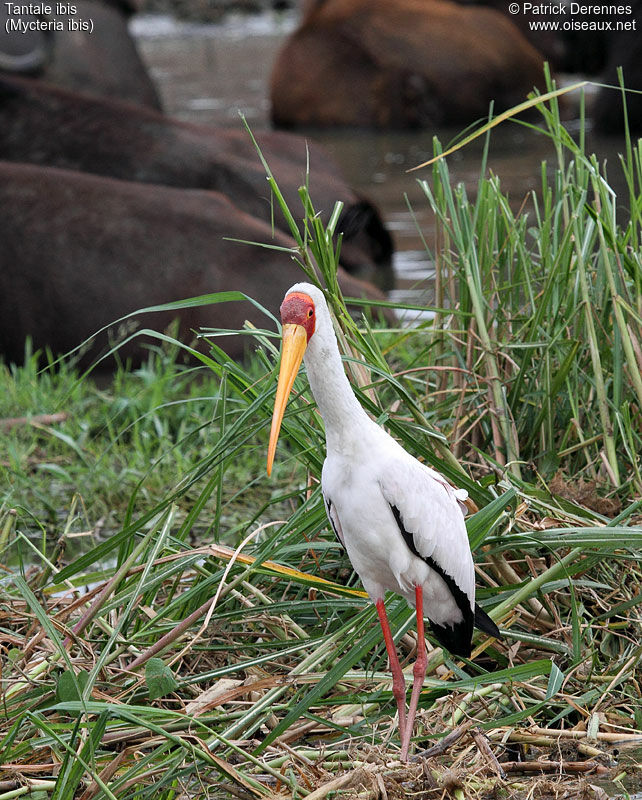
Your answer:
<point x="295" y="340"/>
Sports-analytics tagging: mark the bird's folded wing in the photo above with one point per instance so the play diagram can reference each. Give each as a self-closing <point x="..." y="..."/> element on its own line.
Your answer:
<point x="429" y="510"/>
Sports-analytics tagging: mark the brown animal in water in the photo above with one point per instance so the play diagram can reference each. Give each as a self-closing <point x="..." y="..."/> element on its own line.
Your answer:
<point x="400" y="64"/>
<point x="45" y="125"/>
<point x="80" y="251"/>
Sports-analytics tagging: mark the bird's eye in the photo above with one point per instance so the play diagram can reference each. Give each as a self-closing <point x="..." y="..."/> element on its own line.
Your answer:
<point x="310" y="312"/>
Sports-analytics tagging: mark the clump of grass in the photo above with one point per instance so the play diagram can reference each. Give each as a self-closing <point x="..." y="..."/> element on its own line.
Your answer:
<point x="196" y="654"/>
<point x="116" y="444"/>
<point x="537" y="341"/>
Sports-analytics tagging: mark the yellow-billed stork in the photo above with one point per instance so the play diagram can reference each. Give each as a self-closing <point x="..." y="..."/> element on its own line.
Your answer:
<point x="401" y="523"/>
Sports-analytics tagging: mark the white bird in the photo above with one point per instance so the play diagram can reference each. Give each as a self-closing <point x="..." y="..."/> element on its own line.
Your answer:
<point x="401" y="523"/>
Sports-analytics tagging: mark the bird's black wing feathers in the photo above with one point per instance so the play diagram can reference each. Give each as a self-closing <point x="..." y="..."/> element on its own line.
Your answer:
<point x="457" y="638"/>
<point x="328" y="507"/>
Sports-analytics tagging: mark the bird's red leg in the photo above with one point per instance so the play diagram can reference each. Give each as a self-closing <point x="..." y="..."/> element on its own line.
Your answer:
<point x="419" y="672"/>
<point x="398" y="680"/>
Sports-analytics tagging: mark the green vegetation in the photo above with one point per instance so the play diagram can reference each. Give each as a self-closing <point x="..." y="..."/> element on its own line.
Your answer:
<point x="549" y="307"/>
<point x="174" y="624"/>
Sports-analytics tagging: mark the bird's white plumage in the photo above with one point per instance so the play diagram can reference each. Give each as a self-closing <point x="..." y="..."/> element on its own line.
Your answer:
<point x="365" y="474"/>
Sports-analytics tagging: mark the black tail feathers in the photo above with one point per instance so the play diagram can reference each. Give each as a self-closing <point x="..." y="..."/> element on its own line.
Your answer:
<point x="485" y="623"/>
<point x="457" y="639"/>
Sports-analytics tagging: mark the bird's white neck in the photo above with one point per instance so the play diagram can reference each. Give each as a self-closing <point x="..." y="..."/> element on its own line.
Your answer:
<point x="342" y="413"/>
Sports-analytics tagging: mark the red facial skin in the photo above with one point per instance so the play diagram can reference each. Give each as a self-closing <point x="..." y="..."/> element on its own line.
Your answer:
<point x="298" y="309"/>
